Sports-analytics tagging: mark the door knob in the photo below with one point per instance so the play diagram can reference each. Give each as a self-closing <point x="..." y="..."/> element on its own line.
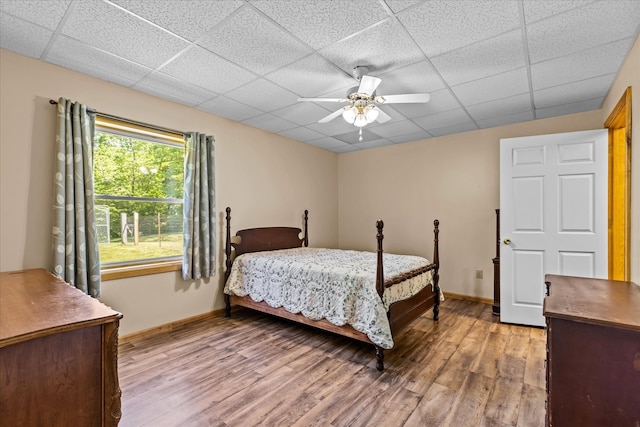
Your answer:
<point x="507" y="241"/>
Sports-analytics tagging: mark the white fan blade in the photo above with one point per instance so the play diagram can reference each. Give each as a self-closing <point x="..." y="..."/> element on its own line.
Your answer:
<point x="323" y="99"/>
<point x="407" y="98"/>
<point x="331" y="116"/>
<point x="368" y="84"/>
<point x="382" y="116"/>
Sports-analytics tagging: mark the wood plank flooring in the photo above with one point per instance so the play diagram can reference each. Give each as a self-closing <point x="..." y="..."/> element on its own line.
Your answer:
<point x="252" y="369"/>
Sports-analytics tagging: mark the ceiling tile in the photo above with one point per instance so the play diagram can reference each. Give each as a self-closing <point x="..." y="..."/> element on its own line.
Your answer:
<point x="381" y="48"/>
<point x="311" y="77"/>
<point x="374" y="143"/>
<point x="320" y="23"/>
<point x="457" y="128"/>
<point x="397" y="128"/>
<point x="507" y="119"/>
<point x="353" y="137"/>
<point x="302" y="134"/>
<point x="400" y="5"/>
<point x="573" y="31"/>
<point x="575" y="107"/>
<point x="415" y="78"/>
<point x="346" y="148"/>
<point x="254" y="42"/>
<point x="535" y="10"/>
<point x="203" y="68"/>
<point x="441" y="100"/>
<point x="495" y="87"/>
<point x="486" y="58"/>
<point x="441" y="26"/>
<point x="500" y="107"/>
<point x="327" y="142"/>
<point x="417" y="136"/>
<point x="111" y="29"/>
<point x="270" y="122"/>
<point x="588" y="63"/>
<point x="440" y="120"/>
<point x="23" y="37"/>
<point x="187" y="18"/>
<point x="303" y="113"/>
<point x="229" y="108"/>
<point x="264" y="95"/>
<point x="596" y="87"/>
<point x="46" y="14"/>
<point x="77" y="56"/>
<point x="167" y="87"/>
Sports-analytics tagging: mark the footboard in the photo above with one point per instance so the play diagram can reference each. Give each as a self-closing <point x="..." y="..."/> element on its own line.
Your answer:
<point x="402" y="313"/>
<point x="406" y="311"/>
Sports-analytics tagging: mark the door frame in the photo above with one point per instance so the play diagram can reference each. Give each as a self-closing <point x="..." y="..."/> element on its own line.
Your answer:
<point x="619" y="238"/>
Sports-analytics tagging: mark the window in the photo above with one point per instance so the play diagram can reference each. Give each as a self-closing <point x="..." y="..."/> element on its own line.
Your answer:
<point x="138" y="184"/>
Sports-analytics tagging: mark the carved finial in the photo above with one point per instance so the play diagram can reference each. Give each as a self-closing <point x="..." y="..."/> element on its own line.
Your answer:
<point x="436" y="223"/>
<point x="228" y="209"/>
<point x="379" y="225"/>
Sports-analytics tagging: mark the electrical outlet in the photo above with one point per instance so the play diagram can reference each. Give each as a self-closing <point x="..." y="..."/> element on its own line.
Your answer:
<point x="479" y="274"/>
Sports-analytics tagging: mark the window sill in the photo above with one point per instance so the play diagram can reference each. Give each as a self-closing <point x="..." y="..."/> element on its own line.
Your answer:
<point x="139" y="270"/>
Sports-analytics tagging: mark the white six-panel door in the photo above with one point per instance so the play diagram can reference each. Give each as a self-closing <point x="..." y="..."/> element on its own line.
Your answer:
<point x="553" y="216"/>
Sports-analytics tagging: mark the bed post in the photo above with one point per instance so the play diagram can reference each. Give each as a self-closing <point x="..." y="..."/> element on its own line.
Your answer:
<point x="379" y="358"/>
<point x="306" y="226"/>
<point x="379" y="289"/>
<point x="436" y="275"/>
<point x="227" y="272"/>
<point x="380" y="269"/>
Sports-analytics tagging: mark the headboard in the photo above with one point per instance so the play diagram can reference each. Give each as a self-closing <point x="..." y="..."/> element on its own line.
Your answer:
<point x="267" y="239"/>
<point x="264" y="238"/>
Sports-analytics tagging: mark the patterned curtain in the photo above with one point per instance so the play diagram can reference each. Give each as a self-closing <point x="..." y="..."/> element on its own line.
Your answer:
<point x="199" y="247"/>
<point x="75" y="242"/>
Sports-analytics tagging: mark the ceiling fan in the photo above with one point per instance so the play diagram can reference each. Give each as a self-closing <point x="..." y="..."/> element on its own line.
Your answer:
<point x="363" y="103"/>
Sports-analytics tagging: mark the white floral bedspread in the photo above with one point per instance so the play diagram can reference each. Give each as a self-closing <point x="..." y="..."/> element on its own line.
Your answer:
<point x="337" y="285"/>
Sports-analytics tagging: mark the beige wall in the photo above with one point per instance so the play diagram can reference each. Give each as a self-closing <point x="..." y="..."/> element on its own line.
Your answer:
<point x="265" y="178"/>
<point x="454" y="178"/>
<point x="629" y="75"/>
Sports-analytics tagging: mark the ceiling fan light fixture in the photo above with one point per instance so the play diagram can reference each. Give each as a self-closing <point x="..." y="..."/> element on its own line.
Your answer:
<point x="360" y="120"/>
<point x="349" y="114"/>
<point x="371" y="113"/>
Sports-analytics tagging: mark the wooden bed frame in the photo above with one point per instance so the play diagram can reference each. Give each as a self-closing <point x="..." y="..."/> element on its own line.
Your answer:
<point x="400" y="314"/>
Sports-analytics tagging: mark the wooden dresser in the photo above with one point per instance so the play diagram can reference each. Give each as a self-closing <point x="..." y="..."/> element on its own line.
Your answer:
<point x="593" y="352"/>
<point x="58" y="354"/>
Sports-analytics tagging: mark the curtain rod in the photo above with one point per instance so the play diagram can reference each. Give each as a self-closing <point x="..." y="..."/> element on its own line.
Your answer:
<point x="122" y="119"/>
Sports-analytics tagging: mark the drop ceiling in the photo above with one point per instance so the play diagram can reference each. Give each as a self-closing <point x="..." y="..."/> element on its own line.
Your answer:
<point x="485" y="63"/>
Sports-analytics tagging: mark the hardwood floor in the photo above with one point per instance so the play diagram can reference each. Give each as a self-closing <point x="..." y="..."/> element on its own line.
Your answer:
<point x="465" y="370"/>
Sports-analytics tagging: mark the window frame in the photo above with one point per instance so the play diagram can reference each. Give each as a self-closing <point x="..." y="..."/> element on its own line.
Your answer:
<point x="124" y="127"/>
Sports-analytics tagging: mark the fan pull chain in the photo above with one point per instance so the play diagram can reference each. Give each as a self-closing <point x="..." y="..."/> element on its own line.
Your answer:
<point x="360" y="133"/>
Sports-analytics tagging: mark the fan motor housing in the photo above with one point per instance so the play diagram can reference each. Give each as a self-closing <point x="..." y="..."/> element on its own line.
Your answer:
<point x="352" y="94"/>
